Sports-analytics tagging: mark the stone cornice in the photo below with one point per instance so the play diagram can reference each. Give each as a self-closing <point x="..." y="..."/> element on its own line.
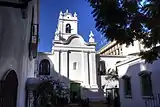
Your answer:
<point x="75" y="51"/>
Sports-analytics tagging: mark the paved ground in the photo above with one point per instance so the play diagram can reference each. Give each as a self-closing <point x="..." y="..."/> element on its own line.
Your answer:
<point x="93" y="104"/>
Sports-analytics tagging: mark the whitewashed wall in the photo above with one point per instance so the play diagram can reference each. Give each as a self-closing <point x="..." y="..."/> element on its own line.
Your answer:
<point x="14" y="39"/>
<point x="131" y="49"/>
<point x="110" y="62"/>
<point x="131" y="68"/>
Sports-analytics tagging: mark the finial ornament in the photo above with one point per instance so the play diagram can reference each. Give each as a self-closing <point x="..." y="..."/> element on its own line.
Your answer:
<point x="67" y="11"/>
<point x="91" y="39"/>
<point x="61" y="13"/>
<point x="91" y="34"/>
<point x="75" y="14"/>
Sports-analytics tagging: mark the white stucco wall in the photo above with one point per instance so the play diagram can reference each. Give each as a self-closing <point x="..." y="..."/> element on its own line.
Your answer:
<point x="14" y="38"/>
<point x="75" y="74"/>
<point x="110" y="62"/>
<point x="132" y="69"/>
<point x="131" y="49"/>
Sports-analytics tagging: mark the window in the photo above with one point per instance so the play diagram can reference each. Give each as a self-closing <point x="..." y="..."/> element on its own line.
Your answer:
<point x="68" y="28"/>
<point x="102" y="68"/>
<point x="118" y="52"/>
<point x="44" y="67"/>
<point x="74" y="65"/>
<point x="127" y="86"/>
<point x="146" y="85"/>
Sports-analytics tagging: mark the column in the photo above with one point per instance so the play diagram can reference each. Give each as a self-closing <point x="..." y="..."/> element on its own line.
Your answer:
<point x="68" y="52"/>
<point x="57" y="61"/>
<point x="64" y="67"/>
<point x="88" y="68"/>
<point x="85" y="68"/>
<point x="93" y="73"/>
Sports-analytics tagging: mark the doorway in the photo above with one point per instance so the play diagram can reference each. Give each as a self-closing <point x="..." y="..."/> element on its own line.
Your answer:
<point x="114" y="99"/>
<point x="8" y="89"/>
<point x="75" y="93"/>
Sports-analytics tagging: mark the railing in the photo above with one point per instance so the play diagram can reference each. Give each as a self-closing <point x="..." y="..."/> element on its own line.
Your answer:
<point x="154" y="101"/>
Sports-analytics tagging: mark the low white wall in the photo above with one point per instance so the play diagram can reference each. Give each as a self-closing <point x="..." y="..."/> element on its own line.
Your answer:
<point x="132" y="69"/>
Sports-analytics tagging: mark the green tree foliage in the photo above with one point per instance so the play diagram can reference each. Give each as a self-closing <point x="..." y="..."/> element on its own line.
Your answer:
<point x="112" y="75"/>
<point x="51" y="93"/>
<point x="128" y="20"/>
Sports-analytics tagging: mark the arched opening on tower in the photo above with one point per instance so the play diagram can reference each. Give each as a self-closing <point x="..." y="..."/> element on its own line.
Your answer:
<point x="68" y="28"/>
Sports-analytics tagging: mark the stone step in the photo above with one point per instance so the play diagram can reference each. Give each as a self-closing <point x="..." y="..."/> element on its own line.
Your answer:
<point x="73" y="105"/>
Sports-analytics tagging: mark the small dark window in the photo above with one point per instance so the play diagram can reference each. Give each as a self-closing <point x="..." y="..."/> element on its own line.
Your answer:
<point x="74" y="65"/>
<point x="68" y="28"/>
<point x="44" y="67"/>
<point x="102" y="68"/>
<point x="146" y="84"/>
<point x="127" y="86"/>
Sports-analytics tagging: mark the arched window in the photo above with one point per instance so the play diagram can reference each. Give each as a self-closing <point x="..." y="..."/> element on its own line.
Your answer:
<point x="68" y="28"/>
<point x="102" y="68"/>
<point x="44" y="67"/>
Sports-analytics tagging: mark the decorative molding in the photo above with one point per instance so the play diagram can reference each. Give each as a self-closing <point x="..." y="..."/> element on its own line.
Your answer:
<point x="85" y="51"/>
<point x="72" y="37"/>
<point x="119" y="56"/>
<point x="84" y="47"/>
<point x="127" y="61"/>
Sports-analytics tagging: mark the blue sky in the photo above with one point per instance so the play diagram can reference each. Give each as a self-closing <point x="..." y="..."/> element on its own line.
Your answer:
<point x="49" y="12"/>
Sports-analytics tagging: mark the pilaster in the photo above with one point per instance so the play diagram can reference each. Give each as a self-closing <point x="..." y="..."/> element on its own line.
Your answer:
<point x="64" y="63"/>
<point x="57" y="55"/>
<point x="93" y="73"/>
<point x="85" y="69"/>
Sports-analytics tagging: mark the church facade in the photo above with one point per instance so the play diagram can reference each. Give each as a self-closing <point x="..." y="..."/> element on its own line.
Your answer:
<point x="72" y="60"/>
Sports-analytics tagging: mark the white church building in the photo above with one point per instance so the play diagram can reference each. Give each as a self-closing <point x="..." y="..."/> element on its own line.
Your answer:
<point x="72" y="59"/>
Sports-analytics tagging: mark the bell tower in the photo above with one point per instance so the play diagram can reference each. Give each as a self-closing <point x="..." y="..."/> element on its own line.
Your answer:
<point x="67" y="25"/>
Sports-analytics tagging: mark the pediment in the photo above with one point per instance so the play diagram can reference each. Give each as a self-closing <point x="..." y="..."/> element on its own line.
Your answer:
<point x="75" y="40"/>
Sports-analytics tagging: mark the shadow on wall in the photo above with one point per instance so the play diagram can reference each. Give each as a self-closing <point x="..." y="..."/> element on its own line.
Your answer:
<point x="76" y="91"/>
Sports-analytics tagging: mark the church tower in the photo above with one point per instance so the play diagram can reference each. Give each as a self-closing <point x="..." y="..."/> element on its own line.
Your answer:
<point x="67" y="26"/>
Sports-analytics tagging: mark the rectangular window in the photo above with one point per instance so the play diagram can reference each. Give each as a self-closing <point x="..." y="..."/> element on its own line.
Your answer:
<point x="146" y="85"/>
<point x="74" y="65"/>
<point x="127" y="87"/>
<point x="102" y="68"/>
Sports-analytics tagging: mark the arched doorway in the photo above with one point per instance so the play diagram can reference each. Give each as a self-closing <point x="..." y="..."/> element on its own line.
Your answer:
<point x="8" y="90"/>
